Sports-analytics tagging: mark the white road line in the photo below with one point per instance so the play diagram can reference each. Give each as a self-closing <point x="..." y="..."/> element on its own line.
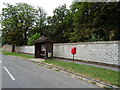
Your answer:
<point x="0" y="62"/>
<point x="9" y="73"/>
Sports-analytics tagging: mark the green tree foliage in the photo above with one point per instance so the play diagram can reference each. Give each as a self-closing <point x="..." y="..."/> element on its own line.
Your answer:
<point x="57" y="27"/>
<point x="26" y="18"/>
<point x="40" y="22"/>
<point x="17" y="21"/>
<point x="32" y="38"/>
<point x="84" y="21"/>
<point x="98" y="20"/>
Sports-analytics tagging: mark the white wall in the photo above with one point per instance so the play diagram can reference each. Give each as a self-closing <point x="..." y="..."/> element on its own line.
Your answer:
<point x="26" y="49"/>
<point x="104" y="52"/>
<point x="22" y="49"/>
<point x="7" y="47"/>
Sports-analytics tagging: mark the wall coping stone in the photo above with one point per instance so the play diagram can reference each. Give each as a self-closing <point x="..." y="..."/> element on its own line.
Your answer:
<point x="100" y="42"/>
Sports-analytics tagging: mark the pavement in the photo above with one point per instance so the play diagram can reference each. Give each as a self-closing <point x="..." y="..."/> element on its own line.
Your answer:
<point x="79" y="62"/>
<point x="36" y="59"/>
<point x="89" y="64"/>
<point x="20" y="73"/>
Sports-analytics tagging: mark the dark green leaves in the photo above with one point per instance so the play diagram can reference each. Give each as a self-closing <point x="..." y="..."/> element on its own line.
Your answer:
<point x="84" y="21"/>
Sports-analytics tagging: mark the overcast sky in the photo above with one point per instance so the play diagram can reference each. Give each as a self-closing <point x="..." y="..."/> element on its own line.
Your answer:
<point x="47" y="5"/>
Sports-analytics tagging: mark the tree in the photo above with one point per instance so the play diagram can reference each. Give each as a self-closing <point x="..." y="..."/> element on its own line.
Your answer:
<point x="58" y="24"/>
<point x="32" y="38"/>
<point x="95" y="19"/>
<point x="40" y="22"/>
<point x="17" y="21"/>
<point x="9" y="24"/>
<point x="84" y="21"/>
<point x="26" y="18"/>
<point x="80" y="30"/>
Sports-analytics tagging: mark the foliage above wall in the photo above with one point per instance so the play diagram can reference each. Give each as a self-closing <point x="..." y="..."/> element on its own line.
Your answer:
<point x="82" y="22"/>
<point x="32" y="38"/>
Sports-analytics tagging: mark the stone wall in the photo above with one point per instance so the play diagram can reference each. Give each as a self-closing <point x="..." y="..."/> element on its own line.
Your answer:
<point x="103" y="52"/>
<point x="7" y="47"/>
<point x="21" y="49"/>
<point x="119" y="53"/>
<point x="26" y="49"/>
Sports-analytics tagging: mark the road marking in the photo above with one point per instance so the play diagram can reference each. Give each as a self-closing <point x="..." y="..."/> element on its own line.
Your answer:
<point x="9" y="73"/>
<point x="0" y="62"/>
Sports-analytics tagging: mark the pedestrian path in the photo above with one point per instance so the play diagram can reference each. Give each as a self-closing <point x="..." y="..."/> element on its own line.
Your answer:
<point x="78" y="62"/>
<point x="36" y="59"/>
<point x="89" y="64"/>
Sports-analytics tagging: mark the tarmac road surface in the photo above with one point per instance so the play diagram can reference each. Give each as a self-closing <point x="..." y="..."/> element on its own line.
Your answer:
<point x="18" y="73"/>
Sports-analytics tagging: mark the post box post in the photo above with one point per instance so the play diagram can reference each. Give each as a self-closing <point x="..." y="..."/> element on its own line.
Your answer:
<point x="73" y="58"/>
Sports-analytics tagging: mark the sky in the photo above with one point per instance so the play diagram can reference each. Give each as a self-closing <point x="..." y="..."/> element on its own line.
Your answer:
<point x="47" y="5"/>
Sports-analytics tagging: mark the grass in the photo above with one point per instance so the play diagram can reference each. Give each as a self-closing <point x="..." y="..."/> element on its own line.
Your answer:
<point x="57" y="70"/>
<point x="101" y="74"/>
<point x="17" y="54"/>
<point x="93" y="82"/>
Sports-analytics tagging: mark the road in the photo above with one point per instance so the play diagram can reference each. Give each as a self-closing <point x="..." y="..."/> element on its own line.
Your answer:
<point x="18" y="73"/>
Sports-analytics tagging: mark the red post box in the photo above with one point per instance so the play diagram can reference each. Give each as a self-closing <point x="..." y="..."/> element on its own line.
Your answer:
<point x="73" y="50"/>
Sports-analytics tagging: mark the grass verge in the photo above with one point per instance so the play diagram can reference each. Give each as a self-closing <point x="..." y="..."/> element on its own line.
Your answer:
<point x="97" y="73"/>
<point x="17" y="54"/>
